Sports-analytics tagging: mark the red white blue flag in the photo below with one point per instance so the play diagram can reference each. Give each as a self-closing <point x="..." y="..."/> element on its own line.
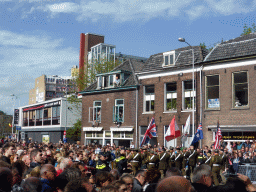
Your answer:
<point x="151" y="132"/>
<point x="218" y="137"/>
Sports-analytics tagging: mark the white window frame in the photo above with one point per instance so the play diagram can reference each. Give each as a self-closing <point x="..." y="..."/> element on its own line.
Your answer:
<point x="95" y="108"/>
<point x="233" y="89"/>
<point x="174" y="95"/>
<point x="122" y="105"/>
<point x="148" y="98"/>
<point x="169" y="53"/>
<point x="206" y="91"/>
<point x="114" y="78"/>
<point x="184" y="96"/>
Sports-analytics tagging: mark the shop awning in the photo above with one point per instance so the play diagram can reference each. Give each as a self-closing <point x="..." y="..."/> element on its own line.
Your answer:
<point x="121" y="129"/>
<point x="92" y="128"/>
<point x="232" y="128"/>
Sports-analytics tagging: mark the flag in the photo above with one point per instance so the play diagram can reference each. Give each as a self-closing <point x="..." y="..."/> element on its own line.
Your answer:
<point x="187" y="126"/>
<point x="173" y="131"/>
<point x="150" y="132"/>
<point x="199" y="134"/>
<point x="186" y="130"/>
<point x="218" y="137"/>
<point x="10" y="125"/>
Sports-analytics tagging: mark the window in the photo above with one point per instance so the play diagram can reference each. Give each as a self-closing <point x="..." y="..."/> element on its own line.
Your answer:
<point x="97" y="111"/>
<point x="56" y="115"/>
<point x="99" y="82"/>
<point x="171" y="96"/>
<point x="212" y="91"/>
<point x="118" y="111"/>
<point x="39" y="116"/>
<point x="149" y="98"/>
<point x="188" y="95"/>
<point x="169" y="58"/>
<point x="240" y="89"/>
<point x="25" y="118"/>
<point x="111" y="80"/>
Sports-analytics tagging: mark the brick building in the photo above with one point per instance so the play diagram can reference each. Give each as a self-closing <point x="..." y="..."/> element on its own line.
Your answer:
<point x="109" y="106"/>
<point x="166" y="91"/>
<point x="229" y="85"/>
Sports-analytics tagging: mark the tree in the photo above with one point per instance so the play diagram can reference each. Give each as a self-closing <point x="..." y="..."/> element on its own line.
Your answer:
<point x="74" y="133"/>
<point x="84" y="78"/>
<point x="247" y="30"/>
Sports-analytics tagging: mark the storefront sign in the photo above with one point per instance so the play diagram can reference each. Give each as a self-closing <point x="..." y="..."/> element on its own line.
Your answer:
<point x="45" y="138"/>
<point x="56" y="103"/>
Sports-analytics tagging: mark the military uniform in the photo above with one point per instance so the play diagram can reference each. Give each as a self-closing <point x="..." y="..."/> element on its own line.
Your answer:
<point x="178" y="160"/>
<point x="192" y="162"/>
<point x="200" y="159"/>
<point x="171" y="159"/>
<point x="153" y="160"/>
<point x="135" y="160"/>
<point x="185" y="171"/>
<point x="215" y="163"/>
<point x="144" y="156"/>
<point x="163" y="162"/>
<point x="224" y="165"/>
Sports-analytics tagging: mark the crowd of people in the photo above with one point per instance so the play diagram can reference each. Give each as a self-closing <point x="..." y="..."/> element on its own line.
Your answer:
<point x="73" y="168"/>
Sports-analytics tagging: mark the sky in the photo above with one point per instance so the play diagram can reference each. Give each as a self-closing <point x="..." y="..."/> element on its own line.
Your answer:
<point x="43" y="36"/>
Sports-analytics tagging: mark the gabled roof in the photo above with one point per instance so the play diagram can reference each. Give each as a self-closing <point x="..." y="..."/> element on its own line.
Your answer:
<point x="238" y="47"/>
<point x="129" y="65"/>
<point x="183" y="57"/>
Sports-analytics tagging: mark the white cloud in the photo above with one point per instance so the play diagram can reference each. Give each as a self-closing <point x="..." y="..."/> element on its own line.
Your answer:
<point x="132" y="10"/>
<point x="25" y="57"/>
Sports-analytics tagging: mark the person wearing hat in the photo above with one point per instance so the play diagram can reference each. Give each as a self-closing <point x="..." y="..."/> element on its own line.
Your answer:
<point x="178" y="158"/>
<point x="192" y="160"/>
<point x="102" y="162"/>
<point x="200" y="158"/>
<point x="135" y="160"/>
<point x="185" y="171"/>
<point x="121" y="162"/>
<point x="144" y="156"/>
<point x="153" y="160"/>
<point x="172" y="157"/>
<point x="224" y="165"/>
<point x="215" y="163"/>
<point x="208" y="157"/>
<point x="163" y="162"/>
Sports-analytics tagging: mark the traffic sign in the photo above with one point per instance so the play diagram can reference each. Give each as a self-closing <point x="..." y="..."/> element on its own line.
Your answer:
<point x="18" y="128"/>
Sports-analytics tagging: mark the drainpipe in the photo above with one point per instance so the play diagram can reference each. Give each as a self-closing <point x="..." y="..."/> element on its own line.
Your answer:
<point x="201" y="100"/>
<point x="136" y="141"/>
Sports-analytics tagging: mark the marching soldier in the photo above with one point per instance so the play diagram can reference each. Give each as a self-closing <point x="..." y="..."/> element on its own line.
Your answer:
<point x="163" y="162"/>
<point x="224" y="165"/>
<point x="178" y="159"/>
<point x="216" y="165"/>
<point x="172" y="157"/>
<point x="153" y="160"/>
<point x="144" y="156"/>
<point x="208" y="158"/>
<point x="192" y="160"/>
<point x="135" y="160"/>
<point x="186" y="154"/>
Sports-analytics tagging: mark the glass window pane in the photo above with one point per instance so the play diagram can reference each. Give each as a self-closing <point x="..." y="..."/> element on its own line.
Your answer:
<point x="213" y="92"/>
<point x="212" y="80"/>
<point x="188" y="85"/>
<point x="171" y="59"/>
<point x="99" y="134"/>
<point x="166" y="60"/>
<point x="240" y="77"/>
<point x="116" y="134"/>
<point x="149" y="89"/>
<point x="88" y="134"/>
<point x="107" y="133"/>
<point x="128" y="134"/>
<point x="119" y="101"/>
<point x="171" y="87"/>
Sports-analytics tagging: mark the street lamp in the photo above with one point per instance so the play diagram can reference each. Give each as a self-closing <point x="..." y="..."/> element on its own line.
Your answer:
<point x="14" y="98"/>
<point x="193" y="86"/>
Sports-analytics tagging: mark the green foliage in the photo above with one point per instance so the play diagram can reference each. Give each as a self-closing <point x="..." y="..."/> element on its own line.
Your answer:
<point x="74" y="133"/>
<point x="172" y="104"/>
<point x="202" y="45"/>
<point x="247" y="30"/>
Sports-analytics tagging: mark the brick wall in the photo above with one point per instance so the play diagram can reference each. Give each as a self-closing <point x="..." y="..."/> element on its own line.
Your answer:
<point x="107" y="103"/>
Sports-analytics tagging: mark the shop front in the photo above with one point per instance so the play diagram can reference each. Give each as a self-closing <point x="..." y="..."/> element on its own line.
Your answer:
<point x="117" y="136"/>
<point x="235" y="133"/>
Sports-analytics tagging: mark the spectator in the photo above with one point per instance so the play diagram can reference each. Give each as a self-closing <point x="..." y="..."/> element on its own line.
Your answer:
<point x="174" y="184"/>
<point x="173" y="171"/>
<point x="152" y="178"/>
<point x="139" y="181"/>
<point x="8" y="150"/>
<point x="47" y="175"/>
<point x="202" y="178"/>
<point x="6" y="179"/>
<point x="128" y="179"/>
<point x="35" y="158"/>
<point x="121" y="186"/>
<point x="103" y="179"/>
<point x="32" y="184"/>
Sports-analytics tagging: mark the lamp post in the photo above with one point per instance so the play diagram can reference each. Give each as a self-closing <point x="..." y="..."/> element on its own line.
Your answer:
<point x="14" y="98"/>
<point x="193" y="86"/>
<point x="66" y="90"/>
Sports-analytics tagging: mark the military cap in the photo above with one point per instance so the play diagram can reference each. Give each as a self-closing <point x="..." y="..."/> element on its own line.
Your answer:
<point x="177" y="148"/>
<point x="171" y="148"/>
<point x="163" y="149"/>
<point x="151" y="151"/>
<point x="216" y="151"/>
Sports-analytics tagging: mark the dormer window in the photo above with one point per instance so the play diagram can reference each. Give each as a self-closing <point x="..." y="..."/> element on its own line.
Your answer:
<point x="169" y="58"/>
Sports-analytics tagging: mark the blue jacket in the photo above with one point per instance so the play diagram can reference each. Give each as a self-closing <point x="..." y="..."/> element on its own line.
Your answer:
<point x="46" y="185"/>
